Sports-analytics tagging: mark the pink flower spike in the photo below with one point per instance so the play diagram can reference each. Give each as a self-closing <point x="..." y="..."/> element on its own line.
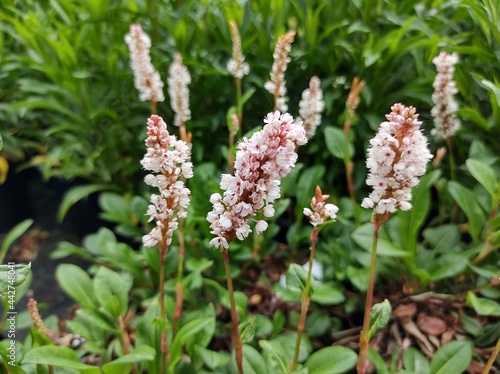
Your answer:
<point x="397" y="156"/>
<point x="146" y="80"/>
<point x="445" y="105"/>
<point x="260" y="163"/>
<point x="311" y="106"/>
<point x="168" y="159"/>
<point x="178" y="81"/>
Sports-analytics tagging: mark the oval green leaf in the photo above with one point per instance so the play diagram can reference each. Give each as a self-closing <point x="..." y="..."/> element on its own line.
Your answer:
<point x="331" y="360"/>
<point x="453" y="357"/>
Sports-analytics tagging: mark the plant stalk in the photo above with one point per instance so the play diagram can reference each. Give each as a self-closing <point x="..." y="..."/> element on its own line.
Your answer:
<point x="492" y="358"/>
<point x="238" y="348"/>
<point x="305" y="302"/>
<point x="179" y="294"/>
<point x="364" y="337"/>
<point x="163" y="313"/>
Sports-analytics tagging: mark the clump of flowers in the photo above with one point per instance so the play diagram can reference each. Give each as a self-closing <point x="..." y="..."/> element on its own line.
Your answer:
<point x="320" y="211"/>
<point x="277" y="84"/>
<point x="146" y="79"/>
<point x="445" y="105"/>
<point x="237" y="65"/>
<point x="260" y="163"/>
<point x="168" y="160"/>
<point x="178" y="91"/>
<point x="311" y="106"/>
<point x="397" y="156"/>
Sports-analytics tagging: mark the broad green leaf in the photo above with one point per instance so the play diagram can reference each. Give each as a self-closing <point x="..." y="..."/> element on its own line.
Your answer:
<point x="411" y="221"/>
<point x="317" y="323"/>
<point x="56" y="356"/>
<point x="377" y="361"/>
<point x="12" y="276"/>
<point x="379" y="316"/>
<point x="275" y="356"/>
<point x="358" y="277"/>
<point x="139" y="354"/>
<point x="75" y="194"/>
<point x="296" y="278"/>
<point x="415" y="362"/>
<point x="182" y="336"/>
<point x="331" y="360"/>
<point x="327" y="294"/>
<point x="448" y="265"/>
<point x="474" y="116"/>
<point x="4" y="355"/>
<point x="287" y="342"/>
<point x="363" y="236"/>
<point x="212" y="359"/>
<point x="484" y="174"/>
<point x="483" y="306"/>
<point x="253" y="362"/>
<point x="337" y="143"/>
<point x="494" y="89"/>
<point x="467" y="201"/>
<point x="111" y="291"/>
<point x="12" y="235"/>
<point x="77" y="284"/>
<point x="453" y="357"/>
<point x="94" y="318"/>
<point x="115" y="207"/>
<point x="309" y="178"/>
<point x="443" y="238"/>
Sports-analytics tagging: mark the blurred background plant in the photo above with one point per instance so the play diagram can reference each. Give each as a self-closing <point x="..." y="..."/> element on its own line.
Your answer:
<point x="68" y="108"/>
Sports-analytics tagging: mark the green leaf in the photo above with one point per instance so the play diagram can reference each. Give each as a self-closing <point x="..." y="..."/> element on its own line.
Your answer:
<point x="77" y="284"/>
<point x="96" y="319"/>
<point x="4" y="355"/>
<point x="483" y="306"/>
<point x="12" y="276"/>
<point x="306" y="185"/>
<point x="484" y="174"/>
<point x="327" y="294"/>
<point x="358" y="277"/>
<point x="379" y="316"/>
<point x="377" y="361"/>
<point x="415" y="362"/>
<point x="247" y="329"/>
<point x="275" y="356"/>
<point x="337" y="144"/>
<point x="296" y="278"/>
<point x="363" y="236"/>
<point x="182" y="336"/>
<point x="443" y="238"/>
<point x="76" y="194"/>
<point x="55" y="356"/>
<point x="111" y="292"/>
<point x="467" y="201"/>
<point x="139" y="354"/>
<point x="411" y="221"/>
<point x="12" y="235"/>
<point x="331" y="360"/>
<point x="253" y="363"/>
<point x="448" y="265"/>
<point x="453" y="357"/>
<point x="287" y="342"/>
<point x="212" y="359"/>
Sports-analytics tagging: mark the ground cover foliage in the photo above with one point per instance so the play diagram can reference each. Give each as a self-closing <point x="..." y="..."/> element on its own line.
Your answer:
<point x="69" y="108"/>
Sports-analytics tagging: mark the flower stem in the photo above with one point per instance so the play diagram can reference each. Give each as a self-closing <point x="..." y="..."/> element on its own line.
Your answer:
<point x="305" y="302"/>
<point x="492" y="358"/>
<point x="179" y="294"/>
<point x="163" y="313"/>
<point x="364" y="338"/>
<point x="238" y="348"/>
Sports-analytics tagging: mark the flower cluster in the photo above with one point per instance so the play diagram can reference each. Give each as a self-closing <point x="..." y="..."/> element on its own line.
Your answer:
<point x="260" y="163"/>
<point x="168" y="160"/>
<point x="146" y="79"/>
<point x="320" y="212"/>
<point x="311" y="106"/>
<point x="398" y="155"/>
<point x="178" y="80"/>
<point x="445" y="105"/>
<point x="237" y="65"/>
<point x="277" y="85"/>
